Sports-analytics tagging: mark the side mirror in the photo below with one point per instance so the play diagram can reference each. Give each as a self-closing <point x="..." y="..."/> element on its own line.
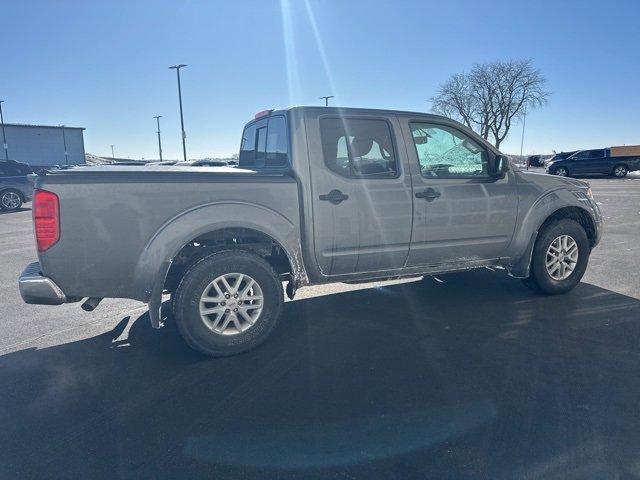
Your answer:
<point x="500" y="166"/>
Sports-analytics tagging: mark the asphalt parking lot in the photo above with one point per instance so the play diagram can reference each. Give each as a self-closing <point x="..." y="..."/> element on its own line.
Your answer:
<point x="467" y="376"/>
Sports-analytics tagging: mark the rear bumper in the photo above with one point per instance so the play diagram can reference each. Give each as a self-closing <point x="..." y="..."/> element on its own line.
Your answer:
<point x="35" y="288"/>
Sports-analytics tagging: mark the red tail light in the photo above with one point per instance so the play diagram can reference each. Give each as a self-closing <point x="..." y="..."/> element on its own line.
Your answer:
<point x="46" y="219"/>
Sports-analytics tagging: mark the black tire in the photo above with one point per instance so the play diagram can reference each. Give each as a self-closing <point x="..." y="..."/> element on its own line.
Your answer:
<point x="10" y="197"/>
<point x="562" y="171"/>
<point x="539" y="279"/>
<point x="186" y="305"/>
<point x="620" y="170"/>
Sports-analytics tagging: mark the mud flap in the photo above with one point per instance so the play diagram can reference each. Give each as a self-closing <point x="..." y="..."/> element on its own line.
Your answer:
<point x="155" y="302"/>
<point x="521" y="268"/>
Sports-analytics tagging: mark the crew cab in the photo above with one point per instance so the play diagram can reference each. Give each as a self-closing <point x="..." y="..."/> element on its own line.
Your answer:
<point x="615" y="161"/>
<point x="321" y="195"/>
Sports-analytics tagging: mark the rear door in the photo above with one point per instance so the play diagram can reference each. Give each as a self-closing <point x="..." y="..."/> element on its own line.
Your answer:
<point x="461" y="212"/>
<point x="361" y="194"/>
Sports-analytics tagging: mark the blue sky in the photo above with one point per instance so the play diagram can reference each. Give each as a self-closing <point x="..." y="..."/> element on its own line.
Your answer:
<point x="103" y="65"/>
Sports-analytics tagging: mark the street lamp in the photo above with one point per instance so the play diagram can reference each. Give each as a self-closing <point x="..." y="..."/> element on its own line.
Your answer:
<point x="64" y="142"/>
<point x="524" y="121"/>
<point x="4" y="138"/>
<point x="326" y="99"/>
<point x="158" y="117"/>
<point x="184" y="135"/>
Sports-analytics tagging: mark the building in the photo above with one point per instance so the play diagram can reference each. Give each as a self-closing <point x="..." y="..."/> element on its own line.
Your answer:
<point x="43" y="146"/>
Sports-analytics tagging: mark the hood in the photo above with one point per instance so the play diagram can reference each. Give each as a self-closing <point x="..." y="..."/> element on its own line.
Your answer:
<point x="550" y="181"/>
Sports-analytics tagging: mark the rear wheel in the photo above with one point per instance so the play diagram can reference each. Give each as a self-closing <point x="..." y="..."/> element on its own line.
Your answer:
<point x="560" y="257"/>
<point x="10" y="200"/>
<point x="620" y="171"/>
<point x="562" y="171"/>
<point x="228" y="303"/>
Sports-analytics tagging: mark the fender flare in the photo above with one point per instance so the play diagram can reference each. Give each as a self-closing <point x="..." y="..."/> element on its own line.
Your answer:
<point x="541" y="210"/>
<point x="156" y="257"/>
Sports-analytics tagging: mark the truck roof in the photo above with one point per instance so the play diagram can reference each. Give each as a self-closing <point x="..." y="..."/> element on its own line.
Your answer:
<point x="351" y="110"/>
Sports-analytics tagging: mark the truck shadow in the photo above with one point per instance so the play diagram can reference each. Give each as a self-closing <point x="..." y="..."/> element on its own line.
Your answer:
<point x="472" y="377"/>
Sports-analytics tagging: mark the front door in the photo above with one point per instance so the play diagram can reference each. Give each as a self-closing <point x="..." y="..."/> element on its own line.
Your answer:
<point x="361" y="194"/>
<point x="461" y="213"/>
<point x="598" y="162"/>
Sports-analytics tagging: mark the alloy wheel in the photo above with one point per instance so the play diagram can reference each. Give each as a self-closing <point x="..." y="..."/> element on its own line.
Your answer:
<point x="11" y="200"/>
<point x="231" y="304"/>
<point x="620" y="171"/>
<point x="562" y="257"/>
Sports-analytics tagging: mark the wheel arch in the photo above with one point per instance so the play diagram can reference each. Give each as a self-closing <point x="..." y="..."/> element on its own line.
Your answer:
<point x="580" y="215"/>
<point x="520" y="268"/>
<point x="218" y="225"/>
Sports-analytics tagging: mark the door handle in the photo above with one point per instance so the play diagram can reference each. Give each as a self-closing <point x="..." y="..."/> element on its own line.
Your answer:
<point x="429" y="194"/>
<point x="334" y="196"/>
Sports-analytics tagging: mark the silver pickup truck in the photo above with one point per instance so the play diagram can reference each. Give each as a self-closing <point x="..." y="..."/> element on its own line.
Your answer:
<point x="320" y="195"/>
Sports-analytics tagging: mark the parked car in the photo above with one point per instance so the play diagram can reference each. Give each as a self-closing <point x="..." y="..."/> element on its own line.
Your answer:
<point x="320" y="195"/>
<point x="535" y="161"/>
<point x="590" y="162"/>
<point x="16" y="184"/>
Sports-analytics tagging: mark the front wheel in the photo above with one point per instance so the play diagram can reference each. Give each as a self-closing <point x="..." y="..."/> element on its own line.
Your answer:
<point x="562" y="172"/>
<point x="10" y="200"/>
<point x="620" y="171"/>
<point x="228" y="303"/>
<point x="560" y="257"/>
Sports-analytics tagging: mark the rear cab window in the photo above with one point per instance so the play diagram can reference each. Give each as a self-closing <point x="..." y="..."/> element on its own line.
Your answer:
<point x="265" y="145"/>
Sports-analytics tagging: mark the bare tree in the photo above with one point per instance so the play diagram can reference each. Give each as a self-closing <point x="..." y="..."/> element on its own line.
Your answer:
<point x="492" y="96"/>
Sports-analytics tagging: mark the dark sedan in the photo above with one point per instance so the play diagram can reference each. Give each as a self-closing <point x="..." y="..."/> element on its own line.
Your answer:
<point x="16" y="185"/>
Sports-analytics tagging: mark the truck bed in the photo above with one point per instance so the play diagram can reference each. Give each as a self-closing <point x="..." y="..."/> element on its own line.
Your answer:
<point x="110" y="216"/>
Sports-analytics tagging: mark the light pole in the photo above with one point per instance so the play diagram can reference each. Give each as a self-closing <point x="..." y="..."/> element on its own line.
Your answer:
<point x="184" y="135"/>
<point x="113" y="155"/>
<point x="524" y="121"/>
<point x="158" y="117"/>
<point x="4" y="138"/>
<point x="64" y="142"/>
<point x="326" y="99"/>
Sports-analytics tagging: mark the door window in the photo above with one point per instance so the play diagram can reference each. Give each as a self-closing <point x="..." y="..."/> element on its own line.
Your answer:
<point x="596" y="154"/>
<point x="583" y="155"/>
<point x="9" y="171"/>
<point x="358" y="148"/>
<point x="446" y="152"/>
